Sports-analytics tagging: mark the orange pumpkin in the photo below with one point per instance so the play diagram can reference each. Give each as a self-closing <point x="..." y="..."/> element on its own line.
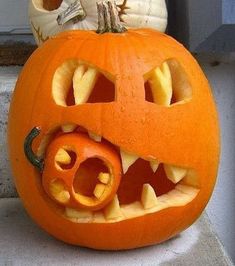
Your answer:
<point x="128" y="146"/>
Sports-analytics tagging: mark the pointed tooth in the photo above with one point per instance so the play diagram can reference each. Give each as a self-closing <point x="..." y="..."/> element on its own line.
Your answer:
<point x="56" y="187"/>
<point x="62" y="157"/>
<point x="113" y="210"/>
<point x="104" y="178"/>
<point x="94" y="136"/>
<point x="99" y="190"/>
<point x="63" y="196"/>
<point x="78" y="214"/>
<point x="148" y="197"/>
<point x="154" y="165"/>
<point x="83" y="83"/>
<point x="68" y="128"/>
<point x="175" y="174"/>
<point x="127" y="160"/>
<point x="161" y="85"/>
<point x="59" y="192"/>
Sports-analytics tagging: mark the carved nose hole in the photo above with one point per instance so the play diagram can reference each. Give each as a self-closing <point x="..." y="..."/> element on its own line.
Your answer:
<point x="88" y="181"/>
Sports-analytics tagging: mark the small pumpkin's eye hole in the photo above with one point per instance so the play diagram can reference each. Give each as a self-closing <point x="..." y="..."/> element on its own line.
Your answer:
<point x="51" y="4"/>
<point x="168" y="84"/>
<point x="76" y="83"/>
<point x="65" y="159"/>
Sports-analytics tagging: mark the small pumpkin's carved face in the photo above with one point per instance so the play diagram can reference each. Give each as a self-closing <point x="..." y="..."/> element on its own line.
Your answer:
<point x="129" y="137"/>
<point x="49" y="17"/>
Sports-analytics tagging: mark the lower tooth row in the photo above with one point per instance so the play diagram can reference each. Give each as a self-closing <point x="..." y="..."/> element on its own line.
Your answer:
<point x="71" y="213"/>
<point x="150" y="203"/>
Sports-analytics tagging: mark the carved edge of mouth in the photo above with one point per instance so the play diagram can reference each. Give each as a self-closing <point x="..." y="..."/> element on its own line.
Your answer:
<point x="185" y="191"/>
<point x="149" y="203"/>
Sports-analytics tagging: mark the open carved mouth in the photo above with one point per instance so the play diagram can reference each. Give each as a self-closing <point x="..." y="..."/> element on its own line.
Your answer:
<point x="146" y="185"/>
<point x="92" y="179"/>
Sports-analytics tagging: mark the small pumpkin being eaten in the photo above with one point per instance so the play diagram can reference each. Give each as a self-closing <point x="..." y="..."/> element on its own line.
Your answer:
<point x="125" y="132"/>
<point x="49" y="17"/>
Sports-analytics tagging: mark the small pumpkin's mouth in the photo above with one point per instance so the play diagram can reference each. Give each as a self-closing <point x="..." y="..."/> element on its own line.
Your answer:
<point x="147" y="186"/>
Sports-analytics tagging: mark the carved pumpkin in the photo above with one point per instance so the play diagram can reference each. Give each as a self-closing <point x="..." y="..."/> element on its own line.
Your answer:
<point x="128" y="144"/>
<point x="49" y="17"/>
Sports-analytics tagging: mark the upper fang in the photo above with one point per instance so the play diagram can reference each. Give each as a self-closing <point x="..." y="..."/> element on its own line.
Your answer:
<point x="154" y="165"/>
<point x="127" y="160"/>
<point x="174" y="173"/>
<point x="68" y="128"/>
<point x="94" y="136"/>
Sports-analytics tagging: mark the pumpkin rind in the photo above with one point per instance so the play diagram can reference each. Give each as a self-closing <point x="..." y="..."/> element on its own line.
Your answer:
<point x="182" y="134"/>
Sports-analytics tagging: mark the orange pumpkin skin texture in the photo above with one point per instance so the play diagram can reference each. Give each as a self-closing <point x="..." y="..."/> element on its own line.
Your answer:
<point x="183" y="134"/>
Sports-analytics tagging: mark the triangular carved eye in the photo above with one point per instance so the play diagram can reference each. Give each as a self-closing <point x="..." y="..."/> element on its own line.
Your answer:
<point x="167" y="84"/>
<point x="76" y="83"/>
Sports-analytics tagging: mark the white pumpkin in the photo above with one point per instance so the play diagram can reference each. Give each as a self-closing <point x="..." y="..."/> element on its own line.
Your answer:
<point x="82" y="14"/>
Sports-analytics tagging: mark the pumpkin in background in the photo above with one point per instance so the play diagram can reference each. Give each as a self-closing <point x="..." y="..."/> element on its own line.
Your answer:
<point x="49" y="17"/>
<point x="123" y="132"/>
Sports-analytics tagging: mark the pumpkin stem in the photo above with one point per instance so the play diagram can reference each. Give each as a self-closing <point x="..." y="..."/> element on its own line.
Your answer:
<point x="75" y="12"/>
<point x="31" y="156"/>
<point x="108" y="18"/>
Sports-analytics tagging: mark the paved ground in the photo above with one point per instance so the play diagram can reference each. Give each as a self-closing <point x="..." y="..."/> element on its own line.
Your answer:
<point x="23" y="243"/>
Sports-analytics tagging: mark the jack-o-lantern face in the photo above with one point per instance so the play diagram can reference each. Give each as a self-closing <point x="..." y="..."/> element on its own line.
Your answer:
<point x="129" y="137"/>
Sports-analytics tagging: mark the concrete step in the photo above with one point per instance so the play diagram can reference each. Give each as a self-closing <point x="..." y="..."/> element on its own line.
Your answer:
<point x="8" y="76"/>
<point x="23" y="243"/>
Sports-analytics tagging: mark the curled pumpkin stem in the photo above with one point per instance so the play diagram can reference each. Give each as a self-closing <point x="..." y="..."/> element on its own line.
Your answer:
<point x="108" y="18"/>
<point x="29" y="153"/>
